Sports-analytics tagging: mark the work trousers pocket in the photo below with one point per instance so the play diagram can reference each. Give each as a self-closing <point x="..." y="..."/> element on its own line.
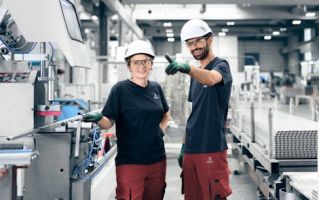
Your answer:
<point x="219" y="186"/>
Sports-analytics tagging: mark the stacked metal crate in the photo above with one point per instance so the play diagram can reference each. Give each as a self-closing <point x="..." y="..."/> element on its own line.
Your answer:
<point x="296" y="144"/>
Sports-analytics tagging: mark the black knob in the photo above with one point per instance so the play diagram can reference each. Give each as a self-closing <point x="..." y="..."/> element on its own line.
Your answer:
<point x="4" y="51"/>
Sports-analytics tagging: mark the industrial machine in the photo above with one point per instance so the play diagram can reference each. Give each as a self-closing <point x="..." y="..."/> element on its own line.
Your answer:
<point x="59" y="162"/>
<point x="39" y="157"/>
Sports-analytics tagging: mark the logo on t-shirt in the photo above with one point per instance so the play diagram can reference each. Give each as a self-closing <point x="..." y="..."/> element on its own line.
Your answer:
<point x="156" y="96"/>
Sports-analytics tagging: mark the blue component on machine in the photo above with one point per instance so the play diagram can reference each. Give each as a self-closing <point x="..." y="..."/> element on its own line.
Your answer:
<point x="71" y="107"/>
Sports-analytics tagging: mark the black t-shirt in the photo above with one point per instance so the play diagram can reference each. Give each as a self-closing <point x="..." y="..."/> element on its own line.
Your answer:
<point x="137" y="112"/>
<point x="205" y="129"/>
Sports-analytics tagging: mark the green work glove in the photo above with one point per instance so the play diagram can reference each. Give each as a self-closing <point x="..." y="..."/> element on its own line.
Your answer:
<point x="92" y="117"/>
<point x="181" y="156"/>
<point x="174" y="67"/>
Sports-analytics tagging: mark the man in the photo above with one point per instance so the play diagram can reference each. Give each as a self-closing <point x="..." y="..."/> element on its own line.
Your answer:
<point x="205" y="167"/>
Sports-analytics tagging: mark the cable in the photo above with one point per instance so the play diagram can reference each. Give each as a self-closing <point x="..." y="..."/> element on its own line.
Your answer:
<point x="14" y="50"/>
<point x="29" y="50"/>
<point x="52" y="52"/>
<point x="80" y="168"/>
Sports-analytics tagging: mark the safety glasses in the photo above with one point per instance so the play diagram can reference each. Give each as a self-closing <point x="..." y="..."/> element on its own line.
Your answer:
<point x="137" y="63"/>
<point x="196" y="41"/>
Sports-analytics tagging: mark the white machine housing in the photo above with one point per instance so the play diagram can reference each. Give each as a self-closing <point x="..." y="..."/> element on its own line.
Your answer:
<point x="51" y="21"/>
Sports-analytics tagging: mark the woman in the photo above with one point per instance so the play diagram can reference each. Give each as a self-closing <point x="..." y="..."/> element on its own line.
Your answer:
<point x="140" y="111"/>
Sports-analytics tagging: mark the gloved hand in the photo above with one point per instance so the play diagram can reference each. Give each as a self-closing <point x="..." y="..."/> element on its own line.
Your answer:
<point x="181" y="156"/>
<point x="92" y="117"/>
<point x="174" y="67"/>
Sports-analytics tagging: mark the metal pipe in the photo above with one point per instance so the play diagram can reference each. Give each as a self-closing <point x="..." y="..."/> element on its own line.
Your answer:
<point x="285" y="195"/>
<point x="50" y="83"/>
<point x="20" y="183"/>
<point x="48" y="127"/>
<point x="315" y="111"/>
<point x="43" y="128"/>
<point x="276" y="102"/>
<point x="252" y="93"/>
<point x="77" y="139"/>
<point x="270" y="117"/>
<point x="89" y="105"/>
<point x="316" y="114"/>
<point x="291" y="105"/>
<point x="253" y="133"/>
<point x="42" y="63"/>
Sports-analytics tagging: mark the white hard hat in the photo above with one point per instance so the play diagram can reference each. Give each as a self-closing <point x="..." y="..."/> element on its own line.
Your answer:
<point x="194" y="28"/>
<point x="139" y="46"/>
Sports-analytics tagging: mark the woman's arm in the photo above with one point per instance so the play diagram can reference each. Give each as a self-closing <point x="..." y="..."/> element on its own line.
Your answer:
<point x="105" y="123"/>
<point x="164" y="122"/>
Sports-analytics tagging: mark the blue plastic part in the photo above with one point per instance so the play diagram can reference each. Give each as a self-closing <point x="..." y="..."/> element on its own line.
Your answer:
<point x="71" y="107"/>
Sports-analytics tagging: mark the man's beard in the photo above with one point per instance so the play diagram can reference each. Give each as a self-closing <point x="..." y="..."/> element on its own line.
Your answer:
<point x="202" y="55"/>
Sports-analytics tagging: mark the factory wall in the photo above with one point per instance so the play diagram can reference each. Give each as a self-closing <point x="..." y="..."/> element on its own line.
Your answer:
<point x="162" y="47"/>
<point x="269" y="54"/>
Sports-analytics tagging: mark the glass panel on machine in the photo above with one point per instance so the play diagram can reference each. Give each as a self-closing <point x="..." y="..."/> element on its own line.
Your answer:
<point x="71" y="20"/>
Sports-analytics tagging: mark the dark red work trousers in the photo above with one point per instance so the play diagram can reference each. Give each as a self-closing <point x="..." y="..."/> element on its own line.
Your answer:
<point x="141" y="182"/>
<point x="206" y="176"/>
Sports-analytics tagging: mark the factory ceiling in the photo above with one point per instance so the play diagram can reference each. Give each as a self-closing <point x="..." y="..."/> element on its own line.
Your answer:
<point x="252" y="2"/>
<point x="243" y="18"/>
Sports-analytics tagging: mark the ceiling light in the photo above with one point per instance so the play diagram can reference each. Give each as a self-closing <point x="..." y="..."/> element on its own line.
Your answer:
<point x="169" y="30"/>
<point x="86" y="31"/>
<point x="115" y="17"/>
<point x="171" y="39"/>
<point x="225" y="30"/>
<point x="246" y="5"/>
<point x="310" y="14"/>
<point x="275" y="33"/>
<point x="283" y="29"/>
<point x="94" y="17"/>
<point x="221" y="34"/>
<point x="167" y="24"/>
<point x="230" y="23"/>
<point x="267" y="37"/>
<point x="169" y="34"/>
<point x="296" y="22"/>
<point x="84" y="16"/>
